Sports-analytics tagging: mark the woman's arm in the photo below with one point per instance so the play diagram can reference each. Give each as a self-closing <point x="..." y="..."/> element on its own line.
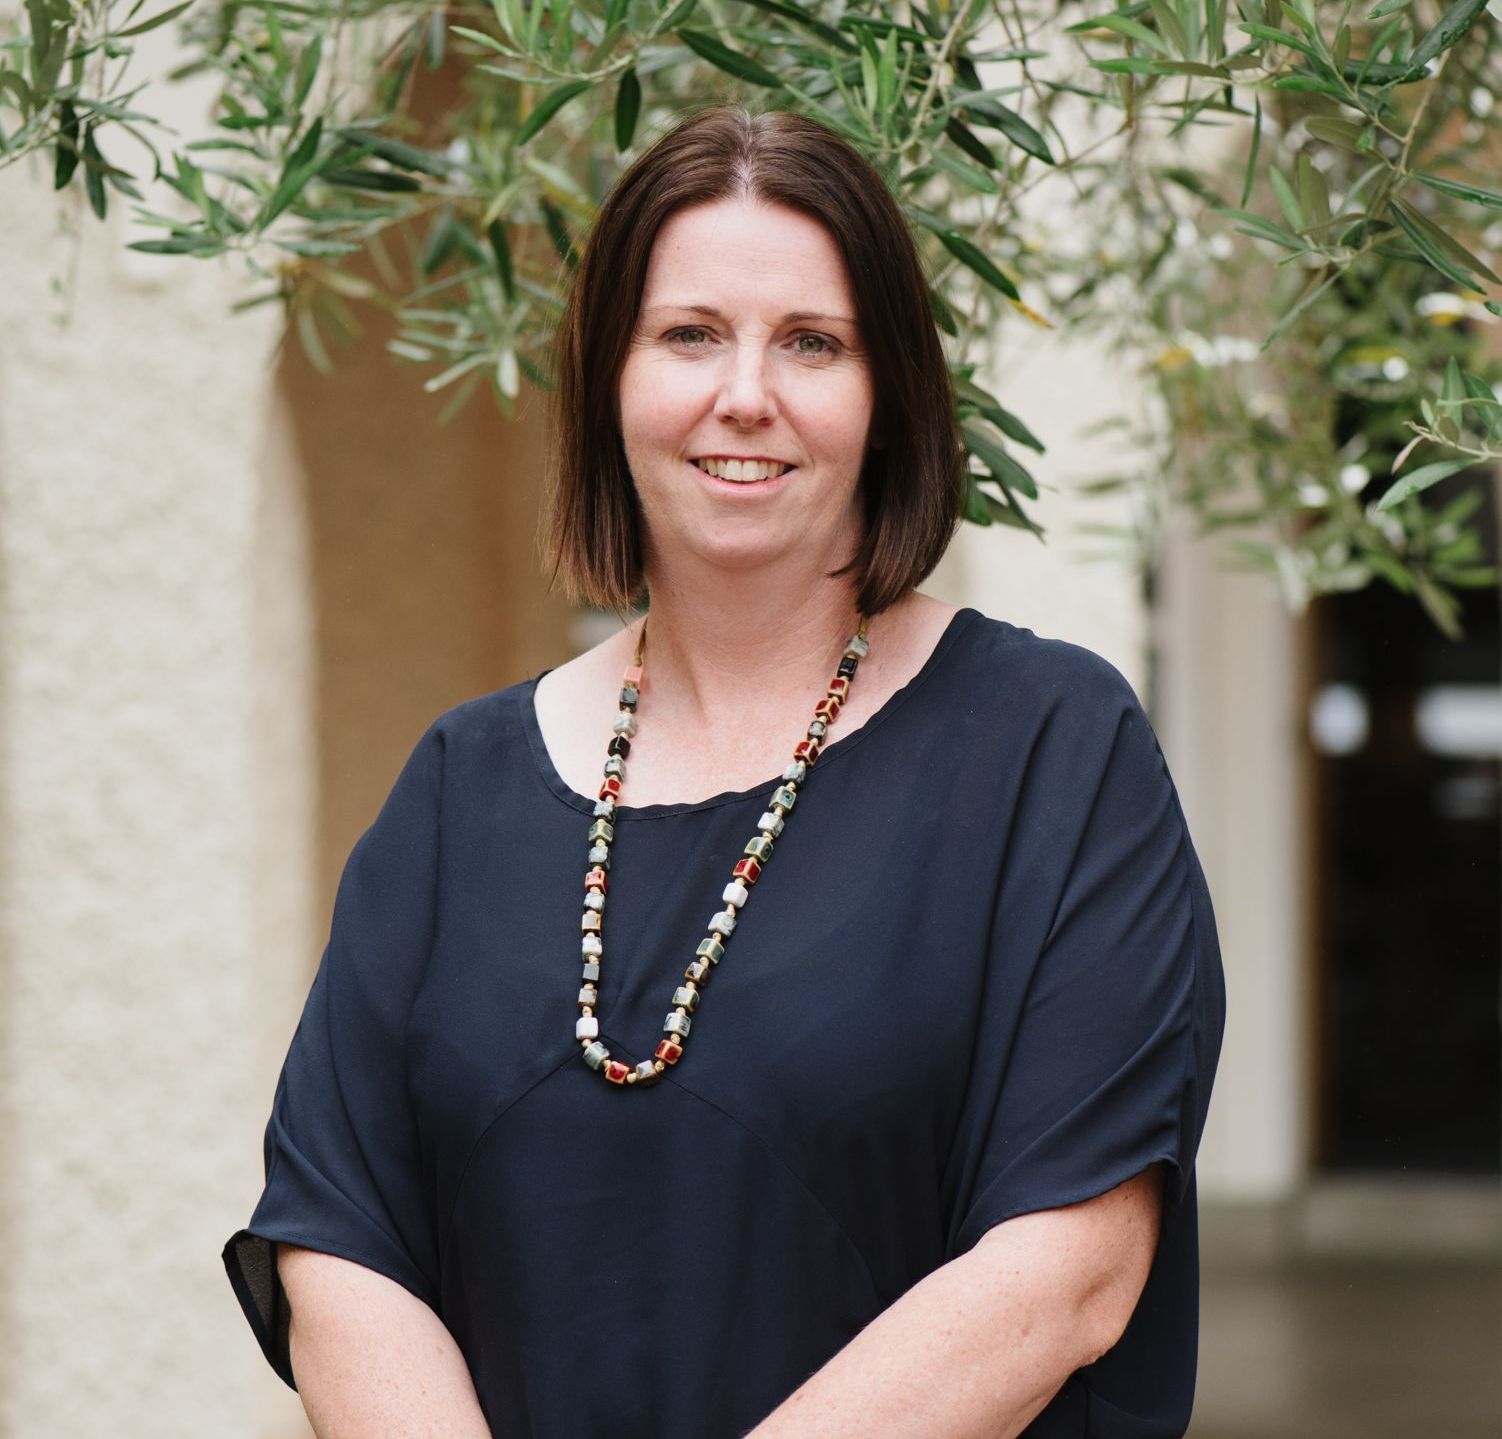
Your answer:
<point x="371" y="1360"/>
<point x="978" y="1348"/>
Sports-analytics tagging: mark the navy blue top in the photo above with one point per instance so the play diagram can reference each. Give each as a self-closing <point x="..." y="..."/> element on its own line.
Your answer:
<point x="978" y="977"/>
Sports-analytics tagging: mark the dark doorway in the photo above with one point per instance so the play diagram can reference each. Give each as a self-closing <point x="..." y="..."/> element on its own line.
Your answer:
<point x="1405" y="741"/>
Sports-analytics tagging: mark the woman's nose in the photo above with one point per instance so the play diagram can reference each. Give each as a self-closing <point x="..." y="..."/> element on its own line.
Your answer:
<point x="745" y="386"/>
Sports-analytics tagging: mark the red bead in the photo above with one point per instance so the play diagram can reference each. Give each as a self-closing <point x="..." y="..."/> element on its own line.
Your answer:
<point x="806" y="750"/>
<point x="748" y="870"/>
<point x="839" y="687"/>
<point x="595" y="879"/>
<point x="615" y="1071"/>
<point x="828" y="708"/>
<point x="669" y="1052"/>
<point x="611" y="787"/>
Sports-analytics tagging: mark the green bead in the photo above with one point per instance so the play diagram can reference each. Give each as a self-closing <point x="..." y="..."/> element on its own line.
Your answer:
<point x="602" y="831"/>
<point x="711" y="949"/>
<point x="759" y="848"/>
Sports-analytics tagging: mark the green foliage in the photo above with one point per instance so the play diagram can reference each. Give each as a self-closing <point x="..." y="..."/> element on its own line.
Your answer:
<point x="1357" y="141"/>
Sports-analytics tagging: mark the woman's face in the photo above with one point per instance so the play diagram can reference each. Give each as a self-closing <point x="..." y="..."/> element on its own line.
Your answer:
<point x="746" y="345"/>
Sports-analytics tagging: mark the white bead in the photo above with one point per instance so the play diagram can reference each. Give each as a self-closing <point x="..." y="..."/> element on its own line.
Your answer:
<point x="857" y="647"/>
<point x="736" y="894"/>
<point x="625" y="723"/>
<point x="771" y="823"/>
<point x="592" y="945"/>
<point x="605" y="807"/>
<point x="593" y="899"/>
<point x="588" y="1028"/>
<point x="723" y="921"/>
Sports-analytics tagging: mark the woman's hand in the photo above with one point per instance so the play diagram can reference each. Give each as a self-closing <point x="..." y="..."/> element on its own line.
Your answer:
<point x="371" y="1360"/>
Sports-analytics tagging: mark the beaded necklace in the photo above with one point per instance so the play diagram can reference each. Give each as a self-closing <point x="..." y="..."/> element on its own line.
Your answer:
<point x="747" y="869"/>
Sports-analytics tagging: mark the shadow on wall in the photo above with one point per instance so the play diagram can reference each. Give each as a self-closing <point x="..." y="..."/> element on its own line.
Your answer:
<point x="426" y="586"/>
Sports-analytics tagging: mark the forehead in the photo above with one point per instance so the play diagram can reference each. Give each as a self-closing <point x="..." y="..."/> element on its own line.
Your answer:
<point x="741" y="254"/>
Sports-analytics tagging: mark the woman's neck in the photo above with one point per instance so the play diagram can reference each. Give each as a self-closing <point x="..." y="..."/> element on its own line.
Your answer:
<point x="738" y="651"/>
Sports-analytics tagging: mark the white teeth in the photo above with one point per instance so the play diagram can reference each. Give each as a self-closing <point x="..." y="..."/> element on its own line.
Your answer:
<point x="743" y="470"/>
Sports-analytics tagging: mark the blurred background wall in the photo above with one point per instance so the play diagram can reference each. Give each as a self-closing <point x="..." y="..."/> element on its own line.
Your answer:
<point x="233" y="592"/>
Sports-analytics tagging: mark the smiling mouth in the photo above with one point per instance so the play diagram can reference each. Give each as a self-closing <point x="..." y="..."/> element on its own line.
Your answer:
<point x="777" y="473"/>
<point x="742" y="472"/>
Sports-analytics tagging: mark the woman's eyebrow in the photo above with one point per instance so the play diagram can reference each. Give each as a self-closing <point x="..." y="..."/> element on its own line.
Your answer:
<point x="718" y="315"/>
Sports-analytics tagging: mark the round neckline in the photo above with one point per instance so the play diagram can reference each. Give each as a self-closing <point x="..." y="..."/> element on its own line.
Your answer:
<point x="548" y="771"/>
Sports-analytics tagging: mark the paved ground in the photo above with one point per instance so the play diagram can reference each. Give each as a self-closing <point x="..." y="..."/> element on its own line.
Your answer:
<point x="1350" y="1349"/>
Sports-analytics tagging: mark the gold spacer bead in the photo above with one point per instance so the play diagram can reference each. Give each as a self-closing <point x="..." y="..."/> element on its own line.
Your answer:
<point x="658" y="1065"/>
<point x="586" y="1010"/>
<point x="631" y="1078"/>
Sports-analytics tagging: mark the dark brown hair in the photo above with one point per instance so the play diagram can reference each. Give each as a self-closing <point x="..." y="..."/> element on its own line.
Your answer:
<point x="912" y="487"/>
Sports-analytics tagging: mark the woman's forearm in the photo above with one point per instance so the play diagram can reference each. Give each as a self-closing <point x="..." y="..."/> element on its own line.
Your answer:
<point x="932" y="1367"/>
<point x="977" y="1348"/>
<point x="371" y="1360"/>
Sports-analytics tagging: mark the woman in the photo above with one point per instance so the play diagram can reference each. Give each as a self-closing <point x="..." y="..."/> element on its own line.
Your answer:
<point x="911" y="1150"/>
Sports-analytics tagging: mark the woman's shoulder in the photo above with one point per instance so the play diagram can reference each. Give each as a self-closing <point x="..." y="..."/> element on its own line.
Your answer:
<point x="502" y="727"/>
<point x="1017" y="663"/>
<point x="1058" y="711"/>
<point x="478" y="722"/>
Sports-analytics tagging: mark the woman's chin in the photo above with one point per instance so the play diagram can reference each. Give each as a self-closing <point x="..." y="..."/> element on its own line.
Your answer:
<point x="740" y="545"/>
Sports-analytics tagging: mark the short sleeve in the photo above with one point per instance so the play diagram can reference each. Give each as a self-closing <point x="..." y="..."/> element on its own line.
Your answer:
<point x="343" y="1160"/>
<point x="1103" y="1006"/>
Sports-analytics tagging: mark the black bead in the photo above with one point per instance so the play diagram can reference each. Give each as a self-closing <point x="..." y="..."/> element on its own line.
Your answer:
<point x="847" y="666"/>
<point x="620" y="745"/>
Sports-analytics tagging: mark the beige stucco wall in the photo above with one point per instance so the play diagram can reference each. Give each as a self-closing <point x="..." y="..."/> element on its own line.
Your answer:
<point x="154" y="783"/>
<point x="1229" y="721"/>
<point x="1061" y="388"/>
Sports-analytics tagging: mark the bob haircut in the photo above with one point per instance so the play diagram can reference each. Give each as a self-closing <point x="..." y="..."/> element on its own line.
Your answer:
<point x="912" y="483"/>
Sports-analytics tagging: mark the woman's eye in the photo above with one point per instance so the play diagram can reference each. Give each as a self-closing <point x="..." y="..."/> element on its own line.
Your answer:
<point x="828" y="347"/>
